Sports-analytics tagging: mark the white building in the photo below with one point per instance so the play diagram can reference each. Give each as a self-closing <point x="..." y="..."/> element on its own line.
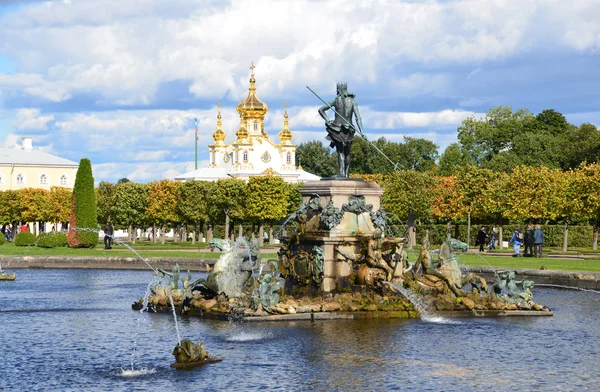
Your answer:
<point x="24" y="167"/>
<point x="252" y="153"/>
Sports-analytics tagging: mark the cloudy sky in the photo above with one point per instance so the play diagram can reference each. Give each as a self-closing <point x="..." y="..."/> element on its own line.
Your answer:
<point x="120" y="81"/>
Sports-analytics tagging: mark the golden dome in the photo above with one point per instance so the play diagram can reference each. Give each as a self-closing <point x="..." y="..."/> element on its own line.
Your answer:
<point x="218" y="134"/>
<point x="242" y="133"/>
<point x="252" y="106"/>
<point x="285" y="135"/>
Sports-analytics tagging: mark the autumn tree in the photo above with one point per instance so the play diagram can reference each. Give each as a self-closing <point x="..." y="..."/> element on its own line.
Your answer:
<point x="162" y="204"/>
<point x="531" y="193"/>
<point x="471" y="181"/>
<point x="266" y="200"/>
<point x="446" y="201"/>
<point x="493" y="201"/>
<point x="587" y="185"/>
<point x="83" y="223"/>
<point x="58" y="204"/>
<point x="10" y="208"/>
<point x="32" y="205"/>
<point x="131" y="200"/>
<point x="406" y="192"/>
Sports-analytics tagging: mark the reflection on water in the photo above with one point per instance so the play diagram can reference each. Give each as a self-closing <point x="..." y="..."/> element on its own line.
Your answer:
<point x="74" y="329"/>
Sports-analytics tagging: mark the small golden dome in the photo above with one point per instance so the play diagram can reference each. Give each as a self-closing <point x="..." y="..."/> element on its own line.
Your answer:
<point x="242" y="133"/>
<point x="285" y="135"/>
<point x="252" y="105"/>
<point x="218" y="134"/>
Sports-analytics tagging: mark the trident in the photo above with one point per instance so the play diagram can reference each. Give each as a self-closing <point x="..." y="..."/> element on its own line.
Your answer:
<point x="361" y="134"/>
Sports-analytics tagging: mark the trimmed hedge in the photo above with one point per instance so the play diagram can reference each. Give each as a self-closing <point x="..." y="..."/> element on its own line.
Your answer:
<point x="25" y="239"/>
<point x="52" y="240"/>
<point x="2" y="239"/>
<point x="83" y="224"/>
<point x="580" y="236"/>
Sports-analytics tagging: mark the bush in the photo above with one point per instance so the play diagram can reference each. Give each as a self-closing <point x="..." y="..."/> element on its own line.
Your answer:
<point x="44" y="240"/>
<point x="52" y="240"/>
<point x="2" y="239"/>
<point x="60" y="240"/>
<point x="25" y="239"/>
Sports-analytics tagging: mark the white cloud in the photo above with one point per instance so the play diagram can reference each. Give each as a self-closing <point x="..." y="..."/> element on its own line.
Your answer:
<point x="125" y="50"/>
<point x="31" y="120"/>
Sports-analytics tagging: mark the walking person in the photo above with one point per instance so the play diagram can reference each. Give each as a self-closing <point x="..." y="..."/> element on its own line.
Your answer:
<point x="528" y="241"/>
<point x="109" y="232"/>
<point x="516" y="240"/>
<point x="493" y="239"/>
<point x="538" y="241"/>
<point x="481" y="237"/>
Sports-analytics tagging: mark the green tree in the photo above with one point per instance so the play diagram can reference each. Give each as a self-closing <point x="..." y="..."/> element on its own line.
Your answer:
<point x="419" y="154"/>
<point x="226" y="201"/>
<point x="193" y="203"/>
<point x="123" y="180"/>
<point x="316" y="158"/>
<point x="105" y="199"/>
<point x="266" y="200"/>
<point x="83" y="223"/>
<point x="454" y="155"/>
<point x="131" y="200"/>
<point x="162" y="204"/>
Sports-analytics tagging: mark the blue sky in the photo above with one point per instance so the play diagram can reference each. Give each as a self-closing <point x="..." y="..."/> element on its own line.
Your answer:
<point x="120" y="82"/>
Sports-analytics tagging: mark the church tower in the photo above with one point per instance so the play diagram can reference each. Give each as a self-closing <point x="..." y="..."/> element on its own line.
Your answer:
<point x="219" y="149"/>
<point x="251" y="153"/>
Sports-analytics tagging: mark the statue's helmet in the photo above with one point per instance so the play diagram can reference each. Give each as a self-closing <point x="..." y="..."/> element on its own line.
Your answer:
<point x="342" y="87"/>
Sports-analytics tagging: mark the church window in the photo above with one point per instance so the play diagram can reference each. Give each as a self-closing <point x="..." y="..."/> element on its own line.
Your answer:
<point x="212" y="157"/>
<point x="20" y="179"/>
<point x="289" y="157"/>
<point x="266" y="157"/>
<point x="1" y="179"/>
<point x="226" y="158"/>
<point x="237" y="156"/>
<point x="245" y="156"/>
<point x="256" y="126"/>
<point x="44" y="179"/>
<point x="64" y="180"/>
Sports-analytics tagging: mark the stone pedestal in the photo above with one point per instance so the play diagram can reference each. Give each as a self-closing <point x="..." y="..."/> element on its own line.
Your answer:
<point x="357" y="199"/>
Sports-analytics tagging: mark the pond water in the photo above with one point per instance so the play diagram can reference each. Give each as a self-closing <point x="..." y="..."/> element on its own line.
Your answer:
<point x="75" y="330"/>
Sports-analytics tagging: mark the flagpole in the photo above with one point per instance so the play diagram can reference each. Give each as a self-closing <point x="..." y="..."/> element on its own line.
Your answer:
<point x="196" y="143"/>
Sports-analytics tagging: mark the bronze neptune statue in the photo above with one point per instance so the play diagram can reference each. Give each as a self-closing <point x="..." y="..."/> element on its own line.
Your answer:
<point x="341" y="131"/>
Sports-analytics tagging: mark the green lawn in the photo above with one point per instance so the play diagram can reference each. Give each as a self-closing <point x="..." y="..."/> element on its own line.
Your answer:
<point x="147" y="250"/>
<point x="507" y="262"/>
<point x="175" y="250"/>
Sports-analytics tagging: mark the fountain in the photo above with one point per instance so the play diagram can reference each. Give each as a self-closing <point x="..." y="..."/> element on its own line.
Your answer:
<point x="339" y="264"/>
<point x="343" y="260"/>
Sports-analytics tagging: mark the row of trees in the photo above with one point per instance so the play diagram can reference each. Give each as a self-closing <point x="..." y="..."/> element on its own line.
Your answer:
<point x="197" y="204"/>
<point x="526" y="194"/>
<point x="470" y="193"/>
<point x="500" y="141"/>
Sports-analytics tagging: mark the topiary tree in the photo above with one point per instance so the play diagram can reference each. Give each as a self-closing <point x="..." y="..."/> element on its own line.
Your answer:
<point x="2" y="238"/>
<point x="83" y="225"/>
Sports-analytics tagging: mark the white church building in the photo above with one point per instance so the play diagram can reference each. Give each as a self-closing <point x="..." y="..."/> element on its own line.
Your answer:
<point x="252" y="153"/>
